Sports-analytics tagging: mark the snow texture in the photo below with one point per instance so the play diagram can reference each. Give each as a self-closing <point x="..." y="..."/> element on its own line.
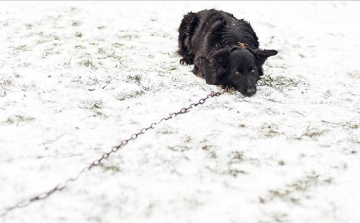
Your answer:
<point x="76" y="78"/>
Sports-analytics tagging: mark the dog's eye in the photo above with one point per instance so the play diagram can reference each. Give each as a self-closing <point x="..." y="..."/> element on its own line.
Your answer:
<point x="237" y="73"/>
<point x="252" y="71"/>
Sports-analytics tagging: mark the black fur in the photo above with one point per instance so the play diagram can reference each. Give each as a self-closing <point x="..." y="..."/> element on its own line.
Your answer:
<point x="210" y="39"/>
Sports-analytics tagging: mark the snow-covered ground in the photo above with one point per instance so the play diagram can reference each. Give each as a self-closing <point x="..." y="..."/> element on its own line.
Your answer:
<point x="76" y="78"/>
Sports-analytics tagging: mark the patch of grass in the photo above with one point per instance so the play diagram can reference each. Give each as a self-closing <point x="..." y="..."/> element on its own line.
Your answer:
<point x="101" y="27"/>
<point x="101" y="51"/>
<point x="41" y="41"/>
<point x="67" y="63"/>
<point x="279" y="217"/>
<point x="305" y="184"/>
<point x="47" y="38"/>
<point x="280" y="83"/>
<point x="235" y="173"/>
<point x="111" y="168"/>
<point x="93" y="80"/>
<point x="125" y="96"/>
<point x="79" y="47"/>
<point x="213" y="155"/>
<point x="4" y="86"/>
<point x="17" y="75"/>
<point x="167" y="131"/>
<point x="48" y="53"/>
<point x="117" y="45"/>
<point x="157" y="34"/>
<point x="127" y="36"/>
<point x="313" y="132"/>
<point x="236" y="157"/>
<point x="75" y="23"/>
<point x="77" y="80"/>
<point x="17" y="119"/>
<point x="95" y="106"/>
<point x="24" y="64"/>
<point x="113" y="56"/>
<point x="237" y="160"/>
<point x="136" y="78"/>
<point x="28" y="86"/>
<point x="179" y="148"/>
<point x="6" y="83"/>
<point x="173" y="68"/>
<point x="354" y="74"/>
<point x="352" y="126"/>
<point x="293" y="191"/>
<point x="78" y="34"/>
<point x="349" y="125"/>
<point x="285" y="195"/>
<point x="270" y="130"/>
<point x="28" y="25"/>
<point x="21" y="48"/>
<point x="88" y="63"/>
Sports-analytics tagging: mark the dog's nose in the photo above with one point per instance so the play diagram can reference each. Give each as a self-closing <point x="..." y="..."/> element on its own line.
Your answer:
<point x="250" y="91"/>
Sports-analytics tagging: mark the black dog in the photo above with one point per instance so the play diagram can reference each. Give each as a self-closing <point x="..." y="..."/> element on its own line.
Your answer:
<point x="224" y="50"/>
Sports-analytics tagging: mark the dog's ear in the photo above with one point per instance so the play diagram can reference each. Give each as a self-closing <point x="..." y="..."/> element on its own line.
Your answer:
<point x="219" y="61"/>
<point x="262" y="55"/>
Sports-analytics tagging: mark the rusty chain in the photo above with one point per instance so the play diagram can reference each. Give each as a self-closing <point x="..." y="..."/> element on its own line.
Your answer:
<point x="105" y="156"/>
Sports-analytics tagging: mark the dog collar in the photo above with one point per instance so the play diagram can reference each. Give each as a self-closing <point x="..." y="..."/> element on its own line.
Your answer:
<point x="242" y="45"/>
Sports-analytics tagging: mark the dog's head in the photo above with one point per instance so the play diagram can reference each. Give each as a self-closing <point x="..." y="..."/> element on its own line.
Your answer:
<point x="240" y="67"/>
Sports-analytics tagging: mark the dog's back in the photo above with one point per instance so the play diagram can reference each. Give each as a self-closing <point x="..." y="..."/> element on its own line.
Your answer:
<point x="195" y="26"/>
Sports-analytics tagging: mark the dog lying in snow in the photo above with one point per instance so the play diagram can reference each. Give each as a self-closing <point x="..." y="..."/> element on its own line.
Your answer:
<point x="224" y="50"/>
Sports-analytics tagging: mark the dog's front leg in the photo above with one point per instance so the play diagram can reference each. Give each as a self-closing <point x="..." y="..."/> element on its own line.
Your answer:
<point x="206" y="71"/>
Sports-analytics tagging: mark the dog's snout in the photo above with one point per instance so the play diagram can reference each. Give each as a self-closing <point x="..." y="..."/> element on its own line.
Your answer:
<point x="250" y="91"/>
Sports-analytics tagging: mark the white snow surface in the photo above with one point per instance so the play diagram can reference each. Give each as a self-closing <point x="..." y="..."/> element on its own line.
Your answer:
<point x="77" y="78"/>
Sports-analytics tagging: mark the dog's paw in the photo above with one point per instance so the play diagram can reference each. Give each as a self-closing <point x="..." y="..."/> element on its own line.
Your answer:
<point x="183" y="61"/>
<point x="228" y="89"/>
<point x="188" y="60"/>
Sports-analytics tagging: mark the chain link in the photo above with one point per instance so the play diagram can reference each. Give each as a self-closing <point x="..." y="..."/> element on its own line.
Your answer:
<point x="105" y="156"/>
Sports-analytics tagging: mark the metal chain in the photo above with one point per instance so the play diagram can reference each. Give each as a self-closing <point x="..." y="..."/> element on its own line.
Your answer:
<point x="105" y="156"/>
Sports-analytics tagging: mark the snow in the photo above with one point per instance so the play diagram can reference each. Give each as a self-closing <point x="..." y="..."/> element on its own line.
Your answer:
<point x="77" y="78"/>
